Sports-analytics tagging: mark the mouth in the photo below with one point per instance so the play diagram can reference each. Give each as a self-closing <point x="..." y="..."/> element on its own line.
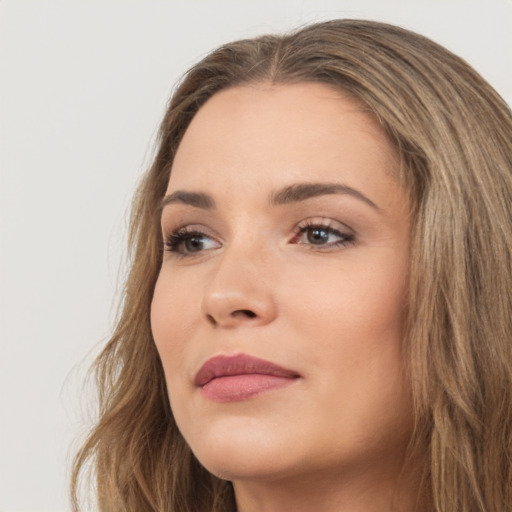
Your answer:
<point x="240" y="377"/>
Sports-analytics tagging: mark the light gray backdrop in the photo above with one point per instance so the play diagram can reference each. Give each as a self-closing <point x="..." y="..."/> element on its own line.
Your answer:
<point x="83" y="86"/>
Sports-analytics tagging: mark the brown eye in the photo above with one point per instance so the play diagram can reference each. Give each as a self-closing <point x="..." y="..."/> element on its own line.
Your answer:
<point x="195" y="243"/>
<point x="322" y="236"/>
<point x="317" y="235"/>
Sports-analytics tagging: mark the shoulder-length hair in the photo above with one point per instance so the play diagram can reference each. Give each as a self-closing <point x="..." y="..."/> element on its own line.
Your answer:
<point x="454" y="136"/>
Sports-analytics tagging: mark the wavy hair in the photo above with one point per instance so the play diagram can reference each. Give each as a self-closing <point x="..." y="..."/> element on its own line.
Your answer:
<point x="454" y="136"/>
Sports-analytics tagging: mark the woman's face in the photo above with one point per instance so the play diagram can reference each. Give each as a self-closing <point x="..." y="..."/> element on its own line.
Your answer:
<point x="278" y="312"/>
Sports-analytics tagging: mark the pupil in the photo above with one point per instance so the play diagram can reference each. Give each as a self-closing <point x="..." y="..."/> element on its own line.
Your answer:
<point x="318" y="236"/>
<point x="194" y="244"/>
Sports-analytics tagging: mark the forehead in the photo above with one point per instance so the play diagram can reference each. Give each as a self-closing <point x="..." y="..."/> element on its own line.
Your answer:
<point x="281" y="133"/>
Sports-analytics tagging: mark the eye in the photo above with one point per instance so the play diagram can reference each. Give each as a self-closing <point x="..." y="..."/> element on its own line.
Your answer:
<point x="187" y="242"/>
<point x="323" y="235"/>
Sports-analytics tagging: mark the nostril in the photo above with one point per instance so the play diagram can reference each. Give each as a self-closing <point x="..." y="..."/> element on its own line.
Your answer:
<point x="245" y="312"/>
<point x="211" y="319"/>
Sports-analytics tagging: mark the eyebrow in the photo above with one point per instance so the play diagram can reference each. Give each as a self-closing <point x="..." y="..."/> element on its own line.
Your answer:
<point x="303" y="191"/>
<point x="289" y="194"/>
<point x="196" y="199"/>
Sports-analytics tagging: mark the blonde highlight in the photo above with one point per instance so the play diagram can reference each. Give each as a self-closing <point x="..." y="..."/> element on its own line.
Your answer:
<point x="454" y="135"/>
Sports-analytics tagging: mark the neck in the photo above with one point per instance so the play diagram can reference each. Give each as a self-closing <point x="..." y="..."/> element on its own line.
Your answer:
<point x="354" y="491"/>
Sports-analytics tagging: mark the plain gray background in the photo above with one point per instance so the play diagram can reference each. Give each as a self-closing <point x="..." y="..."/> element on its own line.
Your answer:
<point x="83" y="85"/>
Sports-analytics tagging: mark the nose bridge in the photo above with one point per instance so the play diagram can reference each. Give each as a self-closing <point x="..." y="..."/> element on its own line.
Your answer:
<point x="239" y="291"/>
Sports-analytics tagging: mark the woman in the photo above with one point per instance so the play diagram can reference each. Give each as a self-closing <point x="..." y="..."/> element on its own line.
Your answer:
<point x="318" y="310"/>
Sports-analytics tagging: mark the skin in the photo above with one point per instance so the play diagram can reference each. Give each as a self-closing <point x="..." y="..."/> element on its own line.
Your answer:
<point x="254" y="283"/>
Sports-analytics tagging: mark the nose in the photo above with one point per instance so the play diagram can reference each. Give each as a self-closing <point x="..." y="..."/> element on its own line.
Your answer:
<point x="239" y="293"/>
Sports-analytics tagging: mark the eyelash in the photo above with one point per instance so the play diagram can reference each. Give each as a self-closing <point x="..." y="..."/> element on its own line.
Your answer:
<point x="174" y="240"/>
<point x="346" y="239"/>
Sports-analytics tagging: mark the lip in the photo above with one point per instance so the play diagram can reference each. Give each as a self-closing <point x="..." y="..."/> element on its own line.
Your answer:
<point x="240" y="377"/>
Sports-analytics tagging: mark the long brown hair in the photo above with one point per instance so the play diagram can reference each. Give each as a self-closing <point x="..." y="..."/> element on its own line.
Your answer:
<point x="454" y="135"/>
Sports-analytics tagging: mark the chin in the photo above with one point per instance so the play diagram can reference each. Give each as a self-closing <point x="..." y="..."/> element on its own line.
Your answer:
<point x="242" y="450"/>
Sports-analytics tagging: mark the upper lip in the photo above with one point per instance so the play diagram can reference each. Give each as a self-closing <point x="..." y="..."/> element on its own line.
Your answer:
<point x="239" y="364"/>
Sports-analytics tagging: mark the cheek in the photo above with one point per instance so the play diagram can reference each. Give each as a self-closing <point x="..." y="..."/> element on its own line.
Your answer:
<point x="369" y="301"/>
<point x="354" y="325"/>
<point x="352" y="331"/>
<point x="169" y="320"/>
<point x="170" y="325"/>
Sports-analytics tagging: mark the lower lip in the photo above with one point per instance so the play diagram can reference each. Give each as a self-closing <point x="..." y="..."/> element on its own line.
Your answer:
<point x="236" y="388"/>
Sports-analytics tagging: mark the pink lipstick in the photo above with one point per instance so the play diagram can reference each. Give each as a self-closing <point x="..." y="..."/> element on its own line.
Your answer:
<point x="240" y="377"/>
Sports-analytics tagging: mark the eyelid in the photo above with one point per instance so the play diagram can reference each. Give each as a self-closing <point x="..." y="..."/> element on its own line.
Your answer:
<point x="346" y="234"/>
<point x="325" y="222"/>
<point x="172" y="238"/>
<point x="178" y="240"/>
<point x="175" y="223"/>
